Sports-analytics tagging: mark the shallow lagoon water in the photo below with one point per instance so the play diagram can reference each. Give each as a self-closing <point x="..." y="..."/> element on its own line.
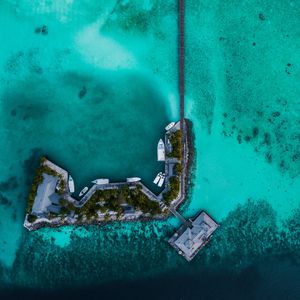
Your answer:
<point x="124" y="53"/>
<point x="110" y="131"/>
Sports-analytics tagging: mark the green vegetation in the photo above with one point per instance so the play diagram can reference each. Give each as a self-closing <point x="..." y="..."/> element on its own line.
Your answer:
<point x="139" y="200"/>
<point x="105" y="200"/>
<point x="176" y="142"/>
<point x="52" y="215"/>
<point x="38" y="179"/>
<point x="170" y="195"/>
<point x="61" y="186"/>
<point x="31" y="218"/>
<point x="178" y="168"/>
<point x="106" y="217"/>
<point x="63" y="202"/>
<point x="43" y="159"/>
<point x="66" y="206"/>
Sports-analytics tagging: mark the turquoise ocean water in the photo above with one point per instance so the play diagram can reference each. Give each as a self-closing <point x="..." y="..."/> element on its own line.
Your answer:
<point x="242" y="77"/>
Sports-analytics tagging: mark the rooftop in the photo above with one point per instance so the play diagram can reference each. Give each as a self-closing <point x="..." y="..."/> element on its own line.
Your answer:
<point x="44" y="195"/>
<point x="193" y="236"/>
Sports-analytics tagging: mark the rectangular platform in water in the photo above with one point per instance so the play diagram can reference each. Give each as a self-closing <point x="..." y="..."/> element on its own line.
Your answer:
<point x="193" y="236"/>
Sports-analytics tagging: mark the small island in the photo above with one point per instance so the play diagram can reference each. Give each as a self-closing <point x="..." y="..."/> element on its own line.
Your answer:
<point x="51" y="203"/>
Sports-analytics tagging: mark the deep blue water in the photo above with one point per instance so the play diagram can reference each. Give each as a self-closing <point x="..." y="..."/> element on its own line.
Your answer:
<point x="242" y="94"/>
<point x="277" y="280"/>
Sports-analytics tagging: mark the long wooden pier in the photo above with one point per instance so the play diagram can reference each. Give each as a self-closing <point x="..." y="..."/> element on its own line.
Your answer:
<point x="181" y="96"/>
<point x="179" y="216"/>
<point x="181" y="57"/>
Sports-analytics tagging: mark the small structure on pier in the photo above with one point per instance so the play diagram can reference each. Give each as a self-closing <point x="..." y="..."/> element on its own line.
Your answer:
<point x="192" y="236"/>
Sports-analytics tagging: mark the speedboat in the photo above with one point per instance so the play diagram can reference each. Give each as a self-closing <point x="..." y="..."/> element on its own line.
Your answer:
<point x="161" y="150"/>
<point x="171" y="125"/>
<point x="71" y="184"/>
<point x="101" y="181"/>
<point x="83" y="191"/>
<point x="133" y="179"/>
<point x="161" y="180"/>
<point x="156" y="179"/>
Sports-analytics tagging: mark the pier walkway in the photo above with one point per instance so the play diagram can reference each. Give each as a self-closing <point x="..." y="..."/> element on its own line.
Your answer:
<point x="181" y="93"/>
<point x="183" y="128"/>
<point x="194" y="234"/>
<point x="63" y="173"/>
<point x="179" y="216"/>
<point x="181" y="58"/>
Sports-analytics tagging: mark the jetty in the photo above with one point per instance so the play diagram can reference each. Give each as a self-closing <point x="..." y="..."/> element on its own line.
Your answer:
<point x="51" y="202"/>
<point x="193" y="235"/>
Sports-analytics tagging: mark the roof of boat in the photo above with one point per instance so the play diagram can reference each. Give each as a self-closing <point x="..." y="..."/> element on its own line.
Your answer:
<point x="169" y="126"/>
<point x="133" y="179"/>
<point x="161" y="151"/>
<point x="101" y="180"/>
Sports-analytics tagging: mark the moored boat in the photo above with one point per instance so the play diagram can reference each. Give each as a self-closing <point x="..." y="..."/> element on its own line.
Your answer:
<point x="83" y="191"/>
<point x="156" y="179"/>
<point x="161" y="150"/>
<point x="161" y="180"/>
<point x="133" y="179"/>
<point x="101" y="181"/>
<point x="171" y="125"/>
<point x="71" y="184"/>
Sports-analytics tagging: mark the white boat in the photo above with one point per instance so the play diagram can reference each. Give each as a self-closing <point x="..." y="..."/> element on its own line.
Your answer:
<point x="133" y="179"/>
<point x="161" y="180"/>
<point x="71" y="184"/>
<point x="83" y="191"/>
<point x="161" y="150"/>
<point x="101" y="181"/>
<point x="171" y="125"/>
<point x="156" y="179"/>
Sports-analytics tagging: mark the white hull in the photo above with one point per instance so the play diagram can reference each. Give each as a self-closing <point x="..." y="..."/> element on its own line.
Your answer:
<point x="160" y="151"/>
<point x="71" y="184"/>
<point x="171" y="125"/>
<point x="101" y="181"/>
<point x="156" y="179"/>
<point x="84" y="190"/>
<point x="161" y="181"/>
<point x="133" y="179"/>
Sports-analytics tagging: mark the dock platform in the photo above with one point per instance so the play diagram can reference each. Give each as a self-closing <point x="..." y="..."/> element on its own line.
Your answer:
<point x="192" y="236"/>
